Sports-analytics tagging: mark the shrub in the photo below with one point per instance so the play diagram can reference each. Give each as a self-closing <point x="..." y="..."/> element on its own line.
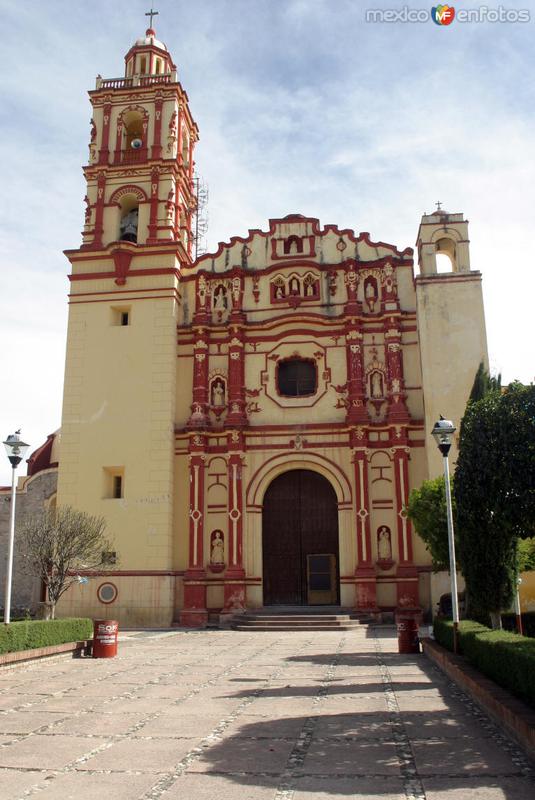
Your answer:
<point x="506" y="658"/>
<point x="31" y="634"/>
<point x="528" y="623"/>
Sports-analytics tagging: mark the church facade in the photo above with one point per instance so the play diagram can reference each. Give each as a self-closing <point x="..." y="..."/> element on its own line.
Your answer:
<point x="250" y="423"/>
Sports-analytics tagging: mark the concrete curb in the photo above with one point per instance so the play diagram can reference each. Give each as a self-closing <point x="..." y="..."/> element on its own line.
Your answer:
<point x="19" y="656"/>
<point x="516" y="717"/>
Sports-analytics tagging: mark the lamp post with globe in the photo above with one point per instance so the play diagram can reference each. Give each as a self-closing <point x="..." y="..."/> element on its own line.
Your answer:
<point x="16" y="450"/>
<point x="443" y="435"/>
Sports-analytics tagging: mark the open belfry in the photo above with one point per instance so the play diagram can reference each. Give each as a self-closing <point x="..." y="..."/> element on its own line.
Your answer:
<point x="250" y="423"/>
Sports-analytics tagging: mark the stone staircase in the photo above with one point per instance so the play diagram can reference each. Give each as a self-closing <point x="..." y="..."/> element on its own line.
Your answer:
<point x="300" y="618"/>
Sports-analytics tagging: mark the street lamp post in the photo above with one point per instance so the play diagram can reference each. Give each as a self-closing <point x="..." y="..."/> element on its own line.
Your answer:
<point x="443" y="434"/>
<point x="16" y="450"/>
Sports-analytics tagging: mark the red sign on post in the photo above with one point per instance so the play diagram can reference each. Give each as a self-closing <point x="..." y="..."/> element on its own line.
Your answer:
<point x="105" y="633"/>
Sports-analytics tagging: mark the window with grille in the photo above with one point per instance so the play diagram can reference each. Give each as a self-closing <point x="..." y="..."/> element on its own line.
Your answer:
<point x="297" y="377"/>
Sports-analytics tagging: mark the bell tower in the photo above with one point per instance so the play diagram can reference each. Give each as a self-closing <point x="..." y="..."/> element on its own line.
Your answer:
<point x="140" y="171"/>
<point x="451" y="323"/>
<point x="121" y="363"/>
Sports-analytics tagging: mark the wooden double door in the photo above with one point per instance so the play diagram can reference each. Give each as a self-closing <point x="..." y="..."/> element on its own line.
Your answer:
<point x="300" y="540"/>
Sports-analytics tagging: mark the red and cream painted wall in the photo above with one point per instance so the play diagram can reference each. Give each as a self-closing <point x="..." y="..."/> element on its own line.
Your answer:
<point x="180" y="398"/>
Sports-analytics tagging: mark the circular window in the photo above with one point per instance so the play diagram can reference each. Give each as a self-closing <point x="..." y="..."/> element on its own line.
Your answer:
<point x="107" y="592"/>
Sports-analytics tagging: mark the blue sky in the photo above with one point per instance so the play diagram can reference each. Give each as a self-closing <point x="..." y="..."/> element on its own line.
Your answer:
<point x="302" y="107"/>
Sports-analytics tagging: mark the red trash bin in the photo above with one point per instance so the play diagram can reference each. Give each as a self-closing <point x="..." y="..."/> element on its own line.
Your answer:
<point x="105" y="633"/>
<point x="408" y="638"/>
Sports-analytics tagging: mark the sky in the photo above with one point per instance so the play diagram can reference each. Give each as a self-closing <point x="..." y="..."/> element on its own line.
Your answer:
<point x="304" y="107"/>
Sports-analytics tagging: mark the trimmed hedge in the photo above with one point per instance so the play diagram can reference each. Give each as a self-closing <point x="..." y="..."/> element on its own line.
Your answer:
<point x="528" y="623"/>
<point x="504" y="657"/>
<point x="31" y="634"/>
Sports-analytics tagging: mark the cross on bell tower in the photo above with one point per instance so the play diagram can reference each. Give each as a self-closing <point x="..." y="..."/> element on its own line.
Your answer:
<point x="151" y="14"/>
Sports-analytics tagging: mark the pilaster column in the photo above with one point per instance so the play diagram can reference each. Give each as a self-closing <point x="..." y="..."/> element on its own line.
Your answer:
<point x="153" y="214"/>
<point x="397" y="409"/>
<point x="99" y="211"/>
<point x="118" y="141"/>
<point x="366" y="581"/>
<point x="194" y="613"/>
<point x="407" y="574"/>
<point x="180" y="135"/>
<point x="104" y="152"/>
<point x="157" y="140"/>
<point x="199" y="409"/>
<point x="236" y="416"/>
<point x="356" y="397"/>
<point x="234" y="593"/>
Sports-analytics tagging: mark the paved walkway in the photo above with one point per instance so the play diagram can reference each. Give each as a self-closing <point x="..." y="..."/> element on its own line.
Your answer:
<point x="250" y="716"/>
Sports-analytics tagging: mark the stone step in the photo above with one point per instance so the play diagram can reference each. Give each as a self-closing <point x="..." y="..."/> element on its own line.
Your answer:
<point x="289" y="627"/>
<point x="297" y="617"/>
<point x="253" y="623"/>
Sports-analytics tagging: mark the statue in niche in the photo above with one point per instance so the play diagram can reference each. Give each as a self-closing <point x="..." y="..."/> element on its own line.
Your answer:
<point x="87" y="213"/>
<point x="370" y="293"/>
<point x="295" y="286"/>
<point x="93" y="131"/>
<point x="279" y="291"/>
<point x="218" y="394"/>
<point x="377" y="385"/>
<point x="129" y="226"/>
<point x="220" y="299"/>
<point x="384" y="543"/>
<point x="217" y="552"/>
<point x="310" y="289"/>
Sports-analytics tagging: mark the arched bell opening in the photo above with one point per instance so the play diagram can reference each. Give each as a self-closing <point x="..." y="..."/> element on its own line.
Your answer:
<point x="446" y="256"/>
<point x="134" y="137"/>
<point x="129" y="219"/>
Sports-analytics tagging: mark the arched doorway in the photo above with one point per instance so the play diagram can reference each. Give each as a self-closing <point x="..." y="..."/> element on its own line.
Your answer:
<point x="300" y="540"/>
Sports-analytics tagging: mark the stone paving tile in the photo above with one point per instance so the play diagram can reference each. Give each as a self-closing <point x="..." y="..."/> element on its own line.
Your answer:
<point x="362" y="726"/>
<point x="88" y="786"/>
<point x="244" y="755"/>
<point x="144" y="755"/>
<point x="96" y="724"/>
<point x="347" y="757"/>
<point x="27" y="721"/>
<point x="9" y="701"/>
<point x="479" y="788"/>
<point x="442" y="725"/>
<point x="13" y="782"/>
<point x="359" y="788"/>
<point x="40" y="752"/>
<point x="461" y="757"/>
<point x="131" y="705"/>
<point x="233" y="716"/>
<point x="188" y="726"/>
<point x="221" y="787"/>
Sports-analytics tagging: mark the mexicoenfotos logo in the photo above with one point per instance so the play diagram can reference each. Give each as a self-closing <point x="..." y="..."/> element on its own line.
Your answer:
<point x="443" y="15"/>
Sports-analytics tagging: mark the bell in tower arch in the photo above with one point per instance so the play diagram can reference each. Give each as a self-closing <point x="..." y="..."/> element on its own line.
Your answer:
<point x="129" y="225"/>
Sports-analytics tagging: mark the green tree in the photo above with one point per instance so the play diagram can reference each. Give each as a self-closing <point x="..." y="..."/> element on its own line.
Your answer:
<point x="484" y="384"/>
<point x="59" y="543"/>
<point x="495" y="493"/>
<point x="427" y="510"/>
<point x="526" y="555"/>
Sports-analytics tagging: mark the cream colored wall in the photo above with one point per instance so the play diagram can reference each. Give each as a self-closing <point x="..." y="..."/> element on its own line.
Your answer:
<point x="118" y="412"/>
<point x="451" y="325"/>
<point x="142" y="601"/>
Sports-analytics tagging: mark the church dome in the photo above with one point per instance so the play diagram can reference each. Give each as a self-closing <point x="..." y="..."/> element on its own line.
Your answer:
<point x="150" y="39"/>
